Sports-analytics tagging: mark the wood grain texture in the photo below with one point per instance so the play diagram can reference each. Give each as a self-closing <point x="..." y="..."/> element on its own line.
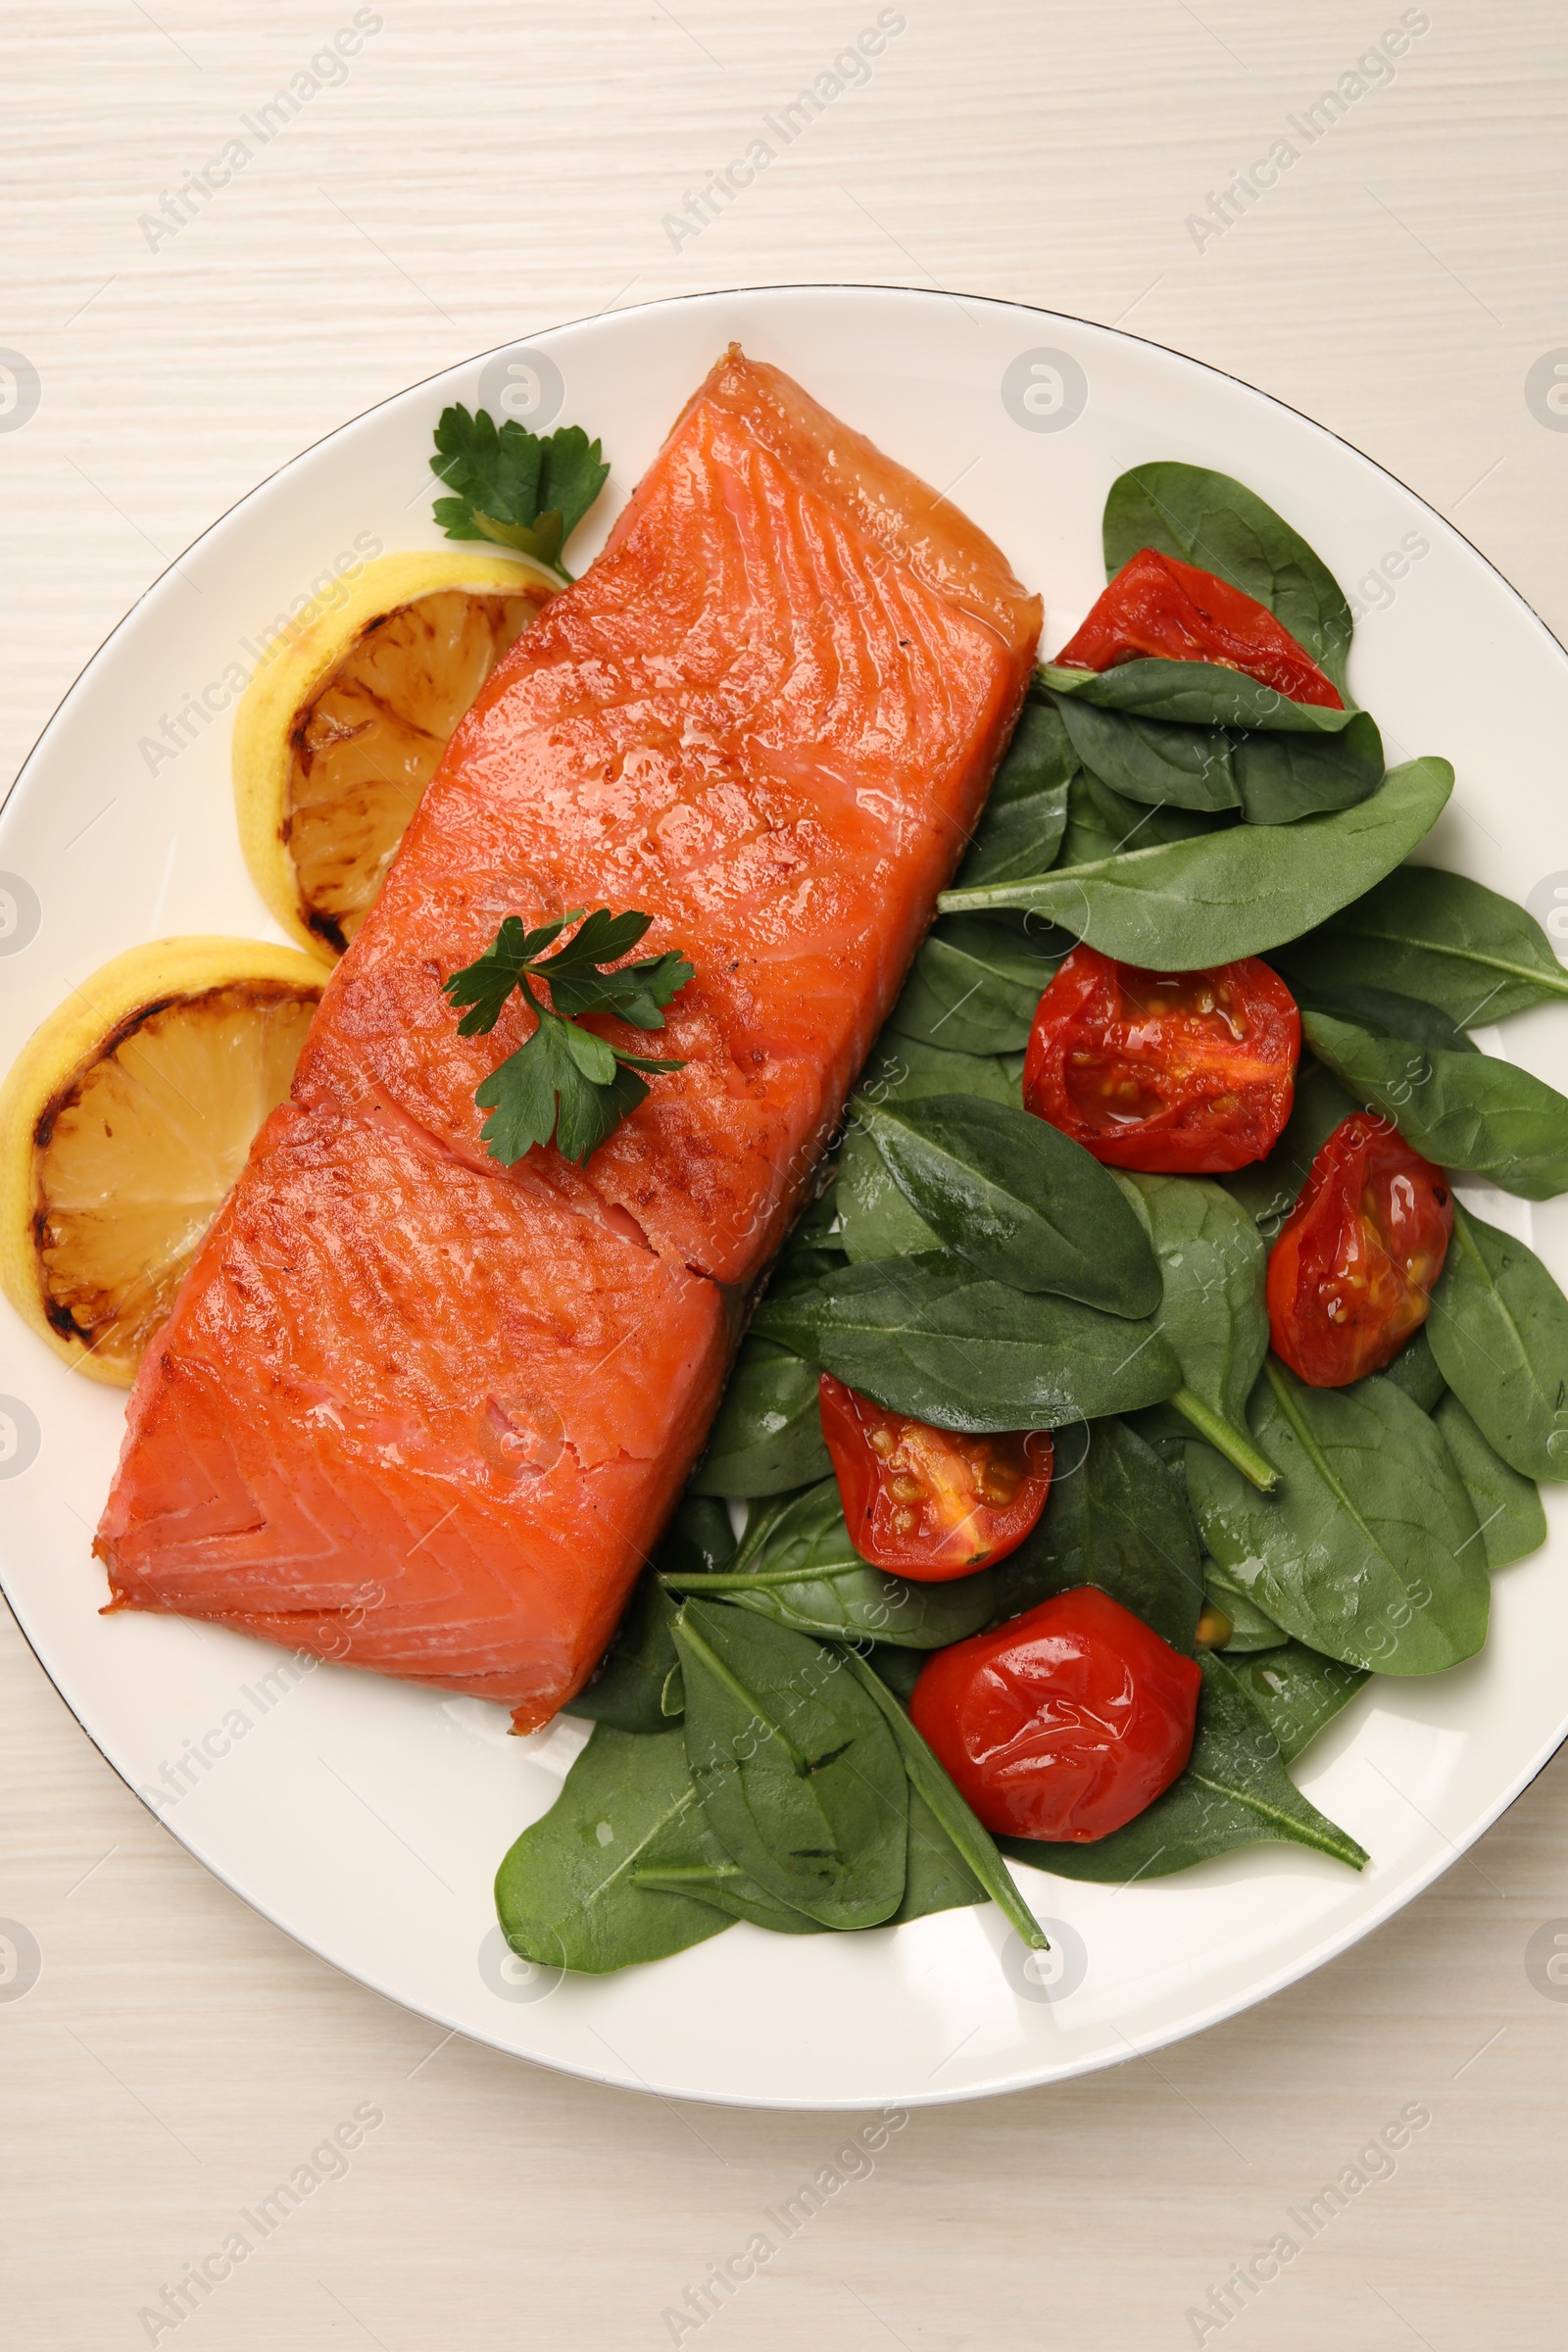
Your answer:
<point x="485" y="169"/>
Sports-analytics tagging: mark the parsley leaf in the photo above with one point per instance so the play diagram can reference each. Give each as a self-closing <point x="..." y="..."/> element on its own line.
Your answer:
<point x="513" y="488"/>
<point x="565" y="1081"/>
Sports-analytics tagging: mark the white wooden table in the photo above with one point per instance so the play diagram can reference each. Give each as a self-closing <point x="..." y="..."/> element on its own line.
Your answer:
<point x="473" y="171"/>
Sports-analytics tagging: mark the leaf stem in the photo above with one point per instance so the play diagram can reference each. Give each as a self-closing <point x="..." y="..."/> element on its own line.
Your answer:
<point x="728" y="1581"/>
<point x="971" y="1837"/>
<point x="1226" y="1439"/>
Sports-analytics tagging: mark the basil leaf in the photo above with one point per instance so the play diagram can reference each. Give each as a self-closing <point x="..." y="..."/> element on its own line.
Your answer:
<point x="1190" y="905"/>
<point x="1296" y="1692"/>
<point x="1281" y="778"/>
<point x="1151" y="760"/>
<point x="1021" y="826"/>
<point x="797" y="1565"/>
<point x="1212" y="1261"/>
<point x="1383" y="1012"/>
<point x="975" y="985"/>
<point x="929" y="1337"/>
<point x="628" y="1690"/>
<point x="798" y="1773"/>
<point x="1119" y="1521"/>
<point x="928" y="1781"/>
<point x="1235" y="1791"/>
<point x="1440" y="937"/>
<point x="767" y="1439"/>
<point x="1365" y="1552"/>
<point x="565" y="1892"/>
<point x="1103" y="823"/>
<point x="1201" y="694"/>
<point x="1415" y="1370"/>
<point x="1462" y="1110"/>
<point x="1513" y="1522"/>
<point x="1208" y="519"/>
<point x="1498" y="1329"/>
<point x="1022" y="1202"/>
<point x="1250" y="1630"/>
<point x="1269" y="1189"/>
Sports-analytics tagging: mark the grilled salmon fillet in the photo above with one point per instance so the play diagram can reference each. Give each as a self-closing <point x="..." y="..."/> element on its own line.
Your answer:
<point x="425" y="1414"/>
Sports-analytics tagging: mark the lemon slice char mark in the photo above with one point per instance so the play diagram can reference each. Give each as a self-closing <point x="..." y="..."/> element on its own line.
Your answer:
<point x="125" y="1122"/>
<point x="337" y="736"/>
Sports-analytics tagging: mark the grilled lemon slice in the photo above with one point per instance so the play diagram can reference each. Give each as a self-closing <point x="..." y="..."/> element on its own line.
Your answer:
<point x="123" y="1125"/>
<point x="337" y="736"/>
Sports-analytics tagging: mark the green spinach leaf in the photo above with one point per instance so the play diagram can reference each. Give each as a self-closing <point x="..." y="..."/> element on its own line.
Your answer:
<point x="1189" y="905"/>
<point x="1119" y="1520"/>
<point x="1022" y="1202"/>
<point x="976" y="982"/>
<point x="1512" y="1523"/>
<point x="1365" y="1554"/>
<point x="1462" y="1110"/>
<point x="798" y="1773"/>
<point x="927" y="1779"/>
<point x="767" y="1439"/>
<point x="1415" y="1370"/>
<point x="797" y="1565"/>
<point x="1201" y="694"/>
<point x="567" y="1894"/>
<point x="1212" y="1261"/>
<point x="1021" y="826"/>
<point x="1209" y="519"/>
<point x="687" y="1860"/>
<point x="1103" y="823"/>
<point x="1383" y="1012"/>
<point x="877" y="1219"/>
<point x="1281" y="778"/>
<point x="1498" y="1329"/>
<point x="1235" y="1791"/>
<point x="1150" y="760"/>
<point x="931" y="1337"/>
<point x="1297" y="1692"/>
<point x="1269" y="1189"/>
<point x="1438" y="936"/>
<point x="936" y="1877"/>
<point x="1250" y="1630"/>
<point x="902" y="1069"/>
<point x="631" y="1688"/>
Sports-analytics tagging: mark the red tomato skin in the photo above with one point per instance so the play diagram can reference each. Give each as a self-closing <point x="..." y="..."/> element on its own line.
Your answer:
<point x="1066" y="1723"/>
<point x="1127" y="1063"/>
<point x="956" y="1530"/>
<point x="1350" y="1275"/>
<point x="1158" y="605"/>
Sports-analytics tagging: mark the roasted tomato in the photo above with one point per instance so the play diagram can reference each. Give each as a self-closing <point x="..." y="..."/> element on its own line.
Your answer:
<point x="1177" y="1073"/>
<point x="1350" y="1276"/>
<point x="926" y="1502"/>
<point x="1064" y="1723"/>
<point x="1157" y="605"/>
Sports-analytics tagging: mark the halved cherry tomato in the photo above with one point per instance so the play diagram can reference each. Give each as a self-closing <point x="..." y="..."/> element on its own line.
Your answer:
<point x="1063" y="1723"/>
<point x="1350" y="1276"/>
<point x="1177" y="1073"/>
<point x="1157" y="605"/>
<point x="930" y="1503"/>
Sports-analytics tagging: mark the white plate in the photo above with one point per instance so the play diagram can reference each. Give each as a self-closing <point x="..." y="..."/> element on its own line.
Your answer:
<point x="367" y="1817"/>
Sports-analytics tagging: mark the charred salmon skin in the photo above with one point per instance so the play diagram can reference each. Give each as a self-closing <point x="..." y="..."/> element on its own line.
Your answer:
<point x="425" y="1414"/>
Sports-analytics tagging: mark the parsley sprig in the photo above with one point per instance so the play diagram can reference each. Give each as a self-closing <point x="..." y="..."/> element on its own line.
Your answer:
<point x="566" y="1081"/>
<point x="513" y="487"/>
